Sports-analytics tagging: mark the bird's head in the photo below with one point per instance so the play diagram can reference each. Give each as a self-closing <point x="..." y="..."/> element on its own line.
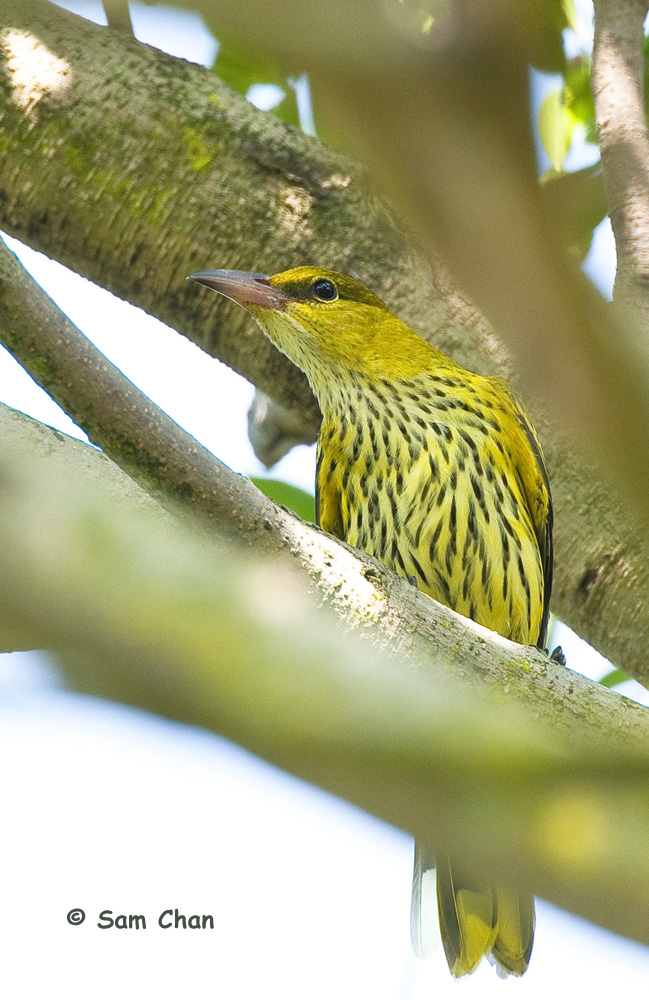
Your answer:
<point x="331" y="326"/>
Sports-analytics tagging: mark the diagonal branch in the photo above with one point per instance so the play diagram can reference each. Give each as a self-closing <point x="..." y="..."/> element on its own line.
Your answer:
<point x="535" y="773"/>
<point x="163" y="458"/>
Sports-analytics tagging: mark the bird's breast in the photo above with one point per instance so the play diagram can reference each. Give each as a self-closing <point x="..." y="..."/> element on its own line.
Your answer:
<point x="426" y="484"/>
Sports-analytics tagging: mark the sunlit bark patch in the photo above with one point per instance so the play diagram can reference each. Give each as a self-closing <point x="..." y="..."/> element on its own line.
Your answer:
<point x="33" y="70"/>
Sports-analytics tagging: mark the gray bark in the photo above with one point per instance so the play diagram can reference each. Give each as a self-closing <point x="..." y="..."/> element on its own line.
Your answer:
<point x="618" y="89"/>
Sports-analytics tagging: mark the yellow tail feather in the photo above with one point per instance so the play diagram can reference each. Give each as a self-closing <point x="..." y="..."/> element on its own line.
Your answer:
<point x="513" y="945"/>
<point x="475" y="920"/>
<point x="467" y="918"/>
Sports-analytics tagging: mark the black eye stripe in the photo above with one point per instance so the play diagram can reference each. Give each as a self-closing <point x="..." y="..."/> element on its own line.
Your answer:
<point x="324" y="290"/>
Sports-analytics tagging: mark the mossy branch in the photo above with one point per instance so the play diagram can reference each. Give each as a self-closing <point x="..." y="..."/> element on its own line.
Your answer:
<point x="471" y="742"/>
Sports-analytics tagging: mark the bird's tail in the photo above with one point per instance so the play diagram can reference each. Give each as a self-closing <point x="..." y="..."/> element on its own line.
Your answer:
<point x="474" y="920"/>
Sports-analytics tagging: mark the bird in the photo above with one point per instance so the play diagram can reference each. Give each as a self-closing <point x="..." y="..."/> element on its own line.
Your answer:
<point x="438" y="473"/>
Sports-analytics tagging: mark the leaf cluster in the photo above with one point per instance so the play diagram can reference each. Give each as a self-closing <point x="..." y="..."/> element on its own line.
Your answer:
<point x="577" y="196"/>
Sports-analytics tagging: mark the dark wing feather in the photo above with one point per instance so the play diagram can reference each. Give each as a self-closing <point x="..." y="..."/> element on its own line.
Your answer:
<point x="536" y="486"/>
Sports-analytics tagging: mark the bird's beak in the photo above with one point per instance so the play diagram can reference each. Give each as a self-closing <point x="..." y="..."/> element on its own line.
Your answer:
<point x="244" y="287"/>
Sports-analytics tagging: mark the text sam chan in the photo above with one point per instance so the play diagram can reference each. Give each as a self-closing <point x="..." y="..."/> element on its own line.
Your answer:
<point x="168" y="919"/>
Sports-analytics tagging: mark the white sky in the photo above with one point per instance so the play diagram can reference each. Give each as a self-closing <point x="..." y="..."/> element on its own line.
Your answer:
<point x="109" y="808"/>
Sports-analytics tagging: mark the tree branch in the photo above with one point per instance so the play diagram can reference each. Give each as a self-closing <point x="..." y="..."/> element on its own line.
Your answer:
<point x="183" y="173"/>
<point x="546" y="785"/>
<point x="118" y="16"/>
<point x="158" y="454"/>
<point x="618" y="88"/>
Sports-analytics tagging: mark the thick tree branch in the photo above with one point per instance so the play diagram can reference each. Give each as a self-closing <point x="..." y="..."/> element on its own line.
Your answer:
<point x="535" y="773"/>
<point x="618" y="88"/>
<point x="362" y="592"/>
<point x="182" y="174"/>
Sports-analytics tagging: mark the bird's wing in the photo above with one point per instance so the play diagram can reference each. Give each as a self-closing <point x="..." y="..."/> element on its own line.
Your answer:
<point x="530" y="465"/>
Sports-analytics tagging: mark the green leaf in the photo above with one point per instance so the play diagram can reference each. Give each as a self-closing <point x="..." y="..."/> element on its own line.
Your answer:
<point x="570" y="13"/>
<point x="556" y="126"/>
<point x="578" y="97"/>
<point x="297" y="500"/>
<point x="577" y="200"/>
<point x="243" y="68"/>
<point x="614" y="677"/>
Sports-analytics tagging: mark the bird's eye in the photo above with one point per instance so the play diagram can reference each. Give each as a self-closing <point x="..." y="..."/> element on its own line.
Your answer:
<point x="324" y="290"/>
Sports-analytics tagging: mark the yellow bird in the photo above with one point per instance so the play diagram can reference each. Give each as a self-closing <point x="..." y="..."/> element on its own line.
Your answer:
<point x="438" y="473"/>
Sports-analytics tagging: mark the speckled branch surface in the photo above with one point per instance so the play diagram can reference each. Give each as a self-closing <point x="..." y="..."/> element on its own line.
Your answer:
<point x="135" y="168"/>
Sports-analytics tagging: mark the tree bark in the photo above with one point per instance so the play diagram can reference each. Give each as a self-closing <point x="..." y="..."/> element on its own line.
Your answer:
<point x="135" y="168"/>
<point x="618" y="88"/>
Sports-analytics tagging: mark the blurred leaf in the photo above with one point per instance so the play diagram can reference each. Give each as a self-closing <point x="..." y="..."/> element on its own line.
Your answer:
<point x="243" y="67"/>
<point x="578" y="202"/>
<point x="548" y="19"/>
<point x="570" y="13"/>
<point x="556" y="127"/>
<point x="420" y="16"/>
<point x="297" y="500"/>
<point x="578" y="97"/>
<point x="613" y="677"/>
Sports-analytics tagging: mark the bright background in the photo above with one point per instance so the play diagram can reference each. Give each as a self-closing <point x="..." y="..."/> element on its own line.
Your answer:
<point x="106" y="807"/>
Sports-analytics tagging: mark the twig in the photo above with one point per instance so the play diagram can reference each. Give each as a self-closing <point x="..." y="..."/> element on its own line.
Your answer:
<point x="118" y="16"/>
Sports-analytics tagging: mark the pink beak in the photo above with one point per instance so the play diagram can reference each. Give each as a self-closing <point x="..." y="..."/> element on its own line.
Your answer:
<point x="244" y="287"/>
